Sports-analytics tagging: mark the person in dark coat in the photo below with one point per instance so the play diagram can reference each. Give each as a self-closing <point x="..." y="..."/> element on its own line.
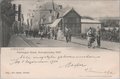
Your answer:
<point x="55" y="34"/>
<point x="68" y="35"/>
<point x="26" y="32"/>
<point x="98" y="37"/>
<point x="42" y="34"/>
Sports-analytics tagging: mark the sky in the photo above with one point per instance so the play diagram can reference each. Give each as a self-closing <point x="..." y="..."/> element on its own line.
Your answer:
<point x="92" y="8"/>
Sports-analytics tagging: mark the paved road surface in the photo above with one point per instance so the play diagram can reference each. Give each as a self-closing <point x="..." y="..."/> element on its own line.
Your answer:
<point x="22" y="41"/>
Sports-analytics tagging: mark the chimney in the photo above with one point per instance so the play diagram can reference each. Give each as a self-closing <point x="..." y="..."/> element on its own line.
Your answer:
<point x="19" y="12"/>
<point x="50" y="11"/>
<point x="60" y="6"/>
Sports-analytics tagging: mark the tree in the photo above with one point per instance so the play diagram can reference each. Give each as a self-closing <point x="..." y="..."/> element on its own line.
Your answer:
<point x="110" y="23"/>
<point x="7" y="17"/>
<point x="7" y="12"/>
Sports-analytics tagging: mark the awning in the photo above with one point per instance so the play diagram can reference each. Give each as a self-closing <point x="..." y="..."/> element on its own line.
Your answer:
<point x="55" y="23"/>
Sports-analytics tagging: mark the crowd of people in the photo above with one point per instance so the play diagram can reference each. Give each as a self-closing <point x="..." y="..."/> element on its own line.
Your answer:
<point x="94" y="36"/>
<point x="50" y="33"/>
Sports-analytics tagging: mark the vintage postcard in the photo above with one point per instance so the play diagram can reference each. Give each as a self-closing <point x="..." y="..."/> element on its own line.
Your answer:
<point x="60" y="39"/>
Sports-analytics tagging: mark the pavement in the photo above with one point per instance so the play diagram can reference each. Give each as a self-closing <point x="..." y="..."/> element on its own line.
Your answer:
<point x="104" y="44"/>
<point x="17" y="41"/>
<point x="23" y="41"/>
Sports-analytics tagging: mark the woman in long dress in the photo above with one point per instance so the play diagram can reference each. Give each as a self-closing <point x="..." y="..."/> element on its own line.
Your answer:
<point x="90" y="37"/>
<point x="60" y="34"/>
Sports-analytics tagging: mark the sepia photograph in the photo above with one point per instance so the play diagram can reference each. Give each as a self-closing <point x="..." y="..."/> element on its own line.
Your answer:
<point x="65" y="23"/>
<point x="59" y="39"/>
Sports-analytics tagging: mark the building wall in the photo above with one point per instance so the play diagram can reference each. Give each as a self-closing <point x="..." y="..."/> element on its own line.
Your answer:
<point x="86" y="26"/>
<point x="0" y="29"/>
<point x="72" y="21"/>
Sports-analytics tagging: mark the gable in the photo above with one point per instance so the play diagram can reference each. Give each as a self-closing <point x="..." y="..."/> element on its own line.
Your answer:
<point x="71" y="13"/>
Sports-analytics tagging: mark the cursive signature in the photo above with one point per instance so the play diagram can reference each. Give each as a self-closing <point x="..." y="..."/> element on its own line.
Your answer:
<point x="107" y="72"/>
<point x="73" y="65"/>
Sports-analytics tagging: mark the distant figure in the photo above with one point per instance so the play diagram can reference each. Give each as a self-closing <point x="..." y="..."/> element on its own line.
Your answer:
<point x="51" y="34"/>
<point x="55" y="34"/>
<point x="30" y="33"/>
<point x="68" y="35"/>
<point x="26" y="33"/>
<point x="98" y="37"/>
<point x="90" y="37"/>
<point x="60" y="34"/>
<point x="40" y="33"/>
<point x="35" y="33"/>
<point x="15" y="28"/>
<point x="48" y="34"/>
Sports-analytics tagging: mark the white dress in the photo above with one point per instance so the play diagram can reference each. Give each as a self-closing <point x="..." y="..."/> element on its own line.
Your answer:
<point x="59" y="35"/>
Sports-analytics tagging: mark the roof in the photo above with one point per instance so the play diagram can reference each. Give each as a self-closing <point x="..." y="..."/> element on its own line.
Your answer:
<point x="72" y="9"/>
<point x="89" y="21"/>
<point x="44" y="13"/>
<point x="55" y="23"/>
<point x="66" y="10"/>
